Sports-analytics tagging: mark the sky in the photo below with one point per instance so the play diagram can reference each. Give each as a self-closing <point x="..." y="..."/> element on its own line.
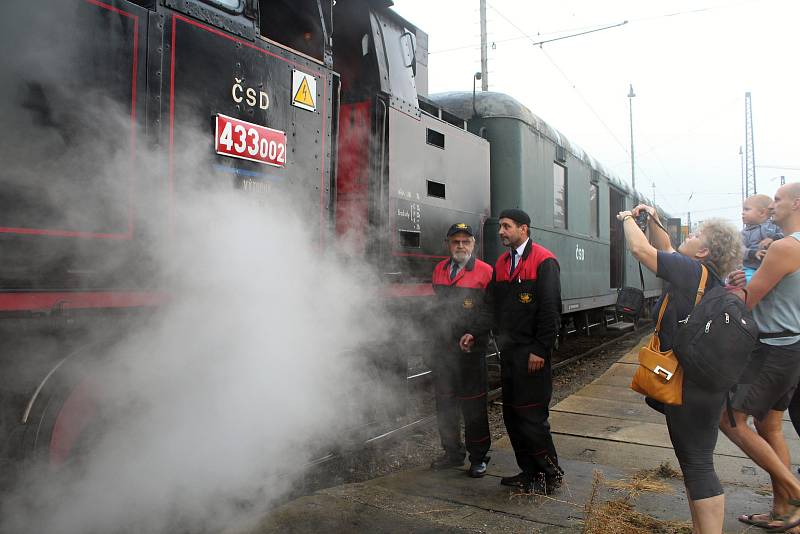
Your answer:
<point x="690" y="63"/>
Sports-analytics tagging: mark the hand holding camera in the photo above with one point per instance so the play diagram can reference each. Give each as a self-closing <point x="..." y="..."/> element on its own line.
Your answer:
<point x="641" y="213"/>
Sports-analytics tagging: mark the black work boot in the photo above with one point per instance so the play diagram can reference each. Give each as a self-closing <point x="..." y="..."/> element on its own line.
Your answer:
<point x="520" y="480"/>
<point x="447" y="461"/>
<point x="543" y="485"/>
<point x="478" y="469"/>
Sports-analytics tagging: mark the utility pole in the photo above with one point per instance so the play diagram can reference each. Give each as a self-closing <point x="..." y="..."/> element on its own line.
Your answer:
<point x="741" y="163"/>
<point x="749" y="153"/>
<point x="484" y="58"/>
<point x="630" y="108"/>
<point x="783" y="180"/>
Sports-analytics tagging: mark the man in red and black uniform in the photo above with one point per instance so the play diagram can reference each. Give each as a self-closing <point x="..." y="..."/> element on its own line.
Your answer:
<point x="459" y="284"/>
<point x="526" y="291"/>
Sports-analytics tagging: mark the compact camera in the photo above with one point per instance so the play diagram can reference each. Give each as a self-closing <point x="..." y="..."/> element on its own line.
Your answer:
<point x="641" y="220"/>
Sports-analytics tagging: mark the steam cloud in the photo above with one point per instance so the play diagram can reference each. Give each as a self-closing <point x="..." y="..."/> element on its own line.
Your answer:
<point x="211" y="406"/>
<point x="227" y="392"/>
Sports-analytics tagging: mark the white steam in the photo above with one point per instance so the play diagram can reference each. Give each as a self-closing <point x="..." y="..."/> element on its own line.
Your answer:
<point x="224" y="395"/>
<point x="209" y="408"/>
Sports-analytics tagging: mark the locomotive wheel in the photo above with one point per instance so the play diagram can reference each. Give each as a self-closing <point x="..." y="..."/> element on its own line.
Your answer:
<point x="65" y="415"/>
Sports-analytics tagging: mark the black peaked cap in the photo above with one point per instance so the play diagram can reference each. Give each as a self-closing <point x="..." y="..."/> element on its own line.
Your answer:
<point x="460" y="227"/>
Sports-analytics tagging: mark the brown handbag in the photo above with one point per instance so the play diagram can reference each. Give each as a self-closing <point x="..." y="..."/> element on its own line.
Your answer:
<point x="659" y="376"/>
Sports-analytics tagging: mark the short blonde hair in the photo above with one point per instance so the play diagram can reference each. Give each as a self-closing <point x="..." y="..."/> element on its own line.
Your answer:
<point x="724" y="244"/>
<point x="761" y="202"/>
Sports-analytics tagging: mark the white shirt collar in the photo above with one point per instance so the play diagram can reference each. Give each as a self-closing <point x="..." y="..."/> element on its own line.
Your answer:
<point x="521" y="248"/>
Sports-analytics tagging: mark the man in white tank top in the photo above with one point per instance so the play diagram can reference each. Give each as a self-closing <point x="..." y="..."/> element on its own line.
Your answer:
<point x="767" y="386"/>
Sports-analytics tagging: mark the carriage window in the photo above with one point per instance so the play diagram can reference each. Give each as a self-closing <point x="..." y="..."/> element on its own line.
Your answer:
<point x="234" y="6"/>
<point x="594" y="210"/>
<point x="436" y="189"/>
<point x="559" y="196"/>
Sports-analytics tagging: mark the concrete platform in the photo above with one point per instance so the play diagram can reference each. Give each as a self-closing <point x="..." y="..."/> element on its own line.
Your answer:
<point x="604" y="427"/>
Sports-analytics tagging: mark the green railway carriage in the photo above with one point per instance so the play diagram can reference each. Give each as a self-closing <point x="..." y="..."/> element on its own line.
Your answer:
<point x="571" y="198"/>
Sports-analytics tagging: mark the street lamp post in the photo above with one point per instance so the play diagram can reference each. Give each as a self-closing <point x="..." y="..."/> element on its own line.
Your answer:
<point x="475" y="77"/>
<point x="630" y="109"/>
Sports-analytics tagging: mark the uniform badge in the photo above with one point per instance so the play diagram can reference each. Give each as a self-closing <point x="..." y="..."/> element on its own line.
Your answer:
<point x="525" y="298"/>
<point x="468" y="304"/>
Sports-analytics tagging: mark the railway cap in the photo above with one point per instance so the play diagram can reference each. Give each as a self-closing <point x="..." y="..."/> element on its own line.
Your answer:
<point x="460" y="227"/>
<point x="516" y="215"/>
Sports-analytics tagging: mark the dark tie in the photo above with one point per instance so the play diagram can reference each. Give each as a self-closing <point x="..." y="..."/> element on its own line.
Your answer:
<point x="454" y="271"/>
<point x="513" y="260"/>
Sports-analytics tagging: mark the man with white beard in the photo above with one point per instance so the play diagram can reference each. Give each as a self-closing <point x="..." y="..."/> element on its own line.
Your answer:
<point x="459" y="284"/>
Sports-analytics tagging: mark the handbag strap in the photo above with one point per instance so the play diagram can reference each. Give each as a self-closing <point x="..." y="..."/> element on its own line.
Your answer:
<point x="701" y="289"/>
<point x="661" y="312"/>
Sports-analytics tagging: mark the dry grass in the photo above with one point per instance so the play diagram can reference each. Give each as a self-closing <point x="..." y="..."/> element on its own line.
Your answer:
<point x="619" y="516"/>
<point x="647" y="480"/>
<point x="664" y="470"/>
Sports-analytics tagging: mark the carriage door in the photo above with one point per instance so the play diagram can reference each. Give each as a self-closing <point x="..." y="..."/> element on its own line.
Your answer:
<point x="616" y="203"/>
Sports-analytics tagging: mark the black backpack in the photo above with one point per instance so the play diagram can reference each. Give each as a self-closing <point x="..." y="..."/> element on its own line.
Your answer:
<point x="715" y="343"/>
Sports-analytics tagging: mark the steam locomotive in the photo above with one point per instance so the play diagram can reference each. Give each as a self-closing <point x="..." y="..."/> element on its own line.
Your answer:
<point x="326" y="101"/>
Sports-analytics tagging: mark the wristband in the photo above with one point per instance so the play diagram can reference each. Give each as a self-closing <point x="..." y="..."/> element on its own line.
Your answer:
<point x="627" y="217"/>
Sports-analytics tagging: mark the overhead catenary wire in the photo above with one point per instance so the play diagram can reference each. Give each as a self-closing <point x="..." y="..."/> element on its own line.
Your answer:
<point x="597" y="27"/>
<point x="570" y="82"/>
<point x="652" y="149"/>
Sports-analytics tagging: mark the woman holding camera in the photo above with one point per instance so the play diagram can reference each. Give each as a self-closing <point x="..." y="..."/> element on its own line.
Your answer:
<point x="693" y="426"/>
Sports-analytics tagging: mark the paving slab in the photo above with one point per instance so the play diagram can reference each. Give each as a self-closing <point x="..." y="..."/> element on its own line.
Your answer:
<point x="632" y="457"/>
<point x="634" y="411"/>
<point x="425" y="501"/>
<point x="632" y="431"/>
<point x="638" y="411"/>
<point x="596" y="391"/>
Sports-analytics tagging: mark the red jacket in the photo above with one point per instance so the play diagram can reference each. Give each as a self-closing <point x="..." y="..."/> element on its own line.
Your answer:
<point x="527" y="302"/>
<point x="460" y="302"/>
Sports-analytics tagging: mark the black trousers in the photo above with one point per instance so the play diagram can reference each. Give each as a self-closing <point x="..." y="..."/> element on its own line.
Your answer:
<point x="526" y="409"/>
<point x="460" y="383"/>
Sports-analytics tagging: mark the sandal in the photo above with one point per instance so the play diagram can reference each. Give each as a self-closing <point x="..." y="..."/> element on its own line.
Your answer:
<point x="790" y="520"/>
<point x="749" y="519"/>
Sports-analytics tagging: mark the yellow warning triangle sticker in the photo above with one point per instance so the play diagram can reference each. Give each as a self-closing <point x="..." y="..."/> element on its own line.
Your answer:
<point x="303" y="95"/>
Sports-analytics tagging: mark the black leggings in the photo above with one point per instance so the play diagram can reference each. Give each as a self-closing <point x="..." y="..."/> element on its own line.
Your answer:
<point x="693" y="430"/>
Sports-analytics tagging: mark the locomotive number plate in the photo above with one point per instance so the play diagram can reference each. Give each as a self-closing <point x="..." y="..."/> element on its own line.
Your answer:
<point x="245" y="140"/>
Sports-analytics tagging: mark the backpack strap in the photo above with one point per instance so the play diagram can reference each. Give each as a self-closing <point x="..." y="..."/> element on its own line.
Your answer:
<point x="701" y="289"/>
